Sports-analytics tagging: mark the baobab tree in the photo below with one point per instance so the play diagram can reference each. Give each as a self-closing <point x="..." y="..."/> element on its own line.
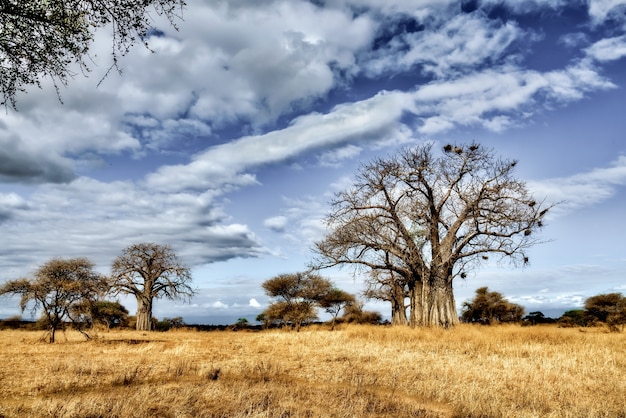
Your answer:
<point x="430" y="219"/>
<point x="150" y="271"/>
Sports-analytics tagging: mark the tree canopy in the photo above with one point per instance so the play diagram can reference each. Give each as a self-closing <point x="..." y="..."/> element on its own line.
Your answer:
<point x="149" y="271"/>
<point x="609" y="308"/>
<point x="44" y="38"/>
<point x="430" y="218"/>
<point x="489" y="307"/>
<point x="298" y="295"/>
<point x="64" y="289"/>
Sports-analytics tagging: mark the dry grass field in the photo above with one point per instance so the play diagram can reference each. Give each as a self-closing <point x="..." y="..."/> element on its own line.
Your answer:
<point x="356" y="371"/>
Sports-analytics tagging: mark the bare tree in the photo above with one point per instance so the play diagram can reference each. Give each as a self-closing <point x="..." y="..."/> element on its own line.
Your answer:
<point x="430" y="219"/>
<point x="150" y="271"/>
<point x="43" y="38"/>
<point x="390" y="287"/>
<point x="59" y="287"/>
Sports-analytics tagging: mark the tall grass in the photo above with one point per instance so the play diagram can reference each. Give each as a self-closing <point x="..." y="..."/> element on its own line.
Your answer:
<point x="357" y="371"/>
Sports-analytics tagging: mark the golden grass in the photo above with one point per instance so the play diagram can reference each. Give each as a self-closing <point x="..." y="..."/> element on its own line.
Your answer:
<point x="357" y="371"/>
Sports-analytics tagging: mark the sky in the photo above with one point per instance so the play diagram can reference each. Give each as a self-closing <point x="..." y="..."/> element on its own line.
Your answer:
<point x="228" y="138"/>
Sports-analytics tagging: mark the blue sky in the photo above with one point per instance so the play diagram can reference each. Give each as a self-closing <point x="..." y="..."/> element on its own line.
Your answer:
<point x="229" y="140"/>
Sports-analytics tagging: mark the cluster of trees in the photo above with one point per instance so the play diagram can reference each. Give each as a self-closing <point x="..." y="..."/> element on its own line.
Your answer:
<point x="297" y="297"/>
<point x="70" y="291"/>
<point x="607" y="308"/>
<point x="491" y="307"/>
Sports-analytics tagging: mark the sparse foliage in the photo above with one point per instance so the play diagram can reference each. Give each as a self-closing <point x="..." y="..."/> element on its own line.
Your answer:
<point x="334" y="301"/>
<point x="41" y="39"/>
<point x="430" y="219"/>
<point x="489" y="307"/>
<point x="150" y="271"/>
<point x="58" y="288"/>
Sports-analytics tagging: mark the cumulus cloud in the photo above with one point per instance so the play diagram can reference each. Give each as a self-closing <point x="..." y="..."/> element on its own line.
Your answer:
<point x="253" y="303"/>
<point x="276" y="223"/>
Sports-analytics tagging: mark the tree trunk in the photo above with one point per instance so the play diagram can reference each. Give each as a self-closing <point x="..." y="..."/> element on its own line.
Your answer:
<point x="432" y="303"/>
<point x="144" y="314"/>
<point x="398" y="310"/>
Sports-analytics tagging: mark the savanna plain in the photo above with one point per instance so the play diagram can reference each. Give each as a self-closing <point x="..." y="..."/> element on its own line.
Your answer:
<point x="353" y="371"/>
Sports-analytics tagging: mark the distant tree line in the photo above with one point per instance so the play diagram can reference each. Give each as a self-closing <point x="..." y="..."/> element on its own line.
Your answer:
<point x="491" y="307"/>
<point x="607" y="308"/>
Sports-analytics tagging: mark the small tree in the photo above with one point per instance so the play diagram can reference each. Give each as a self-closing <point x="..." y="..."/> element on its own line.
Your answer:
<point x="574" y="317"/>
<point x="334" y="301"/>
<point x="488" y="307"/>
<point x="609" y="308"/>
<point x="298" y="295"/>
<point x="59" y="287"/>
<point x="354" y="313"/>
<point x="150" y="271"/>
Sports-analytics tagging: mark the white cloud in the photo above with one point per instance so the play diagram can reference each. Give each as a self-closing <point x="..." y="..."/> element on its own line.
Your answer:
<point x="460" y="44"/>
<point x="253" y="303"/>
<point x="599" y="10"/>
<point x="219" y="305"/>
<point x="372" y="119"/>
<point x="276" y="223"/>
<point x="608" y="49"/>
<point x="584" y="189"/>
<point x="97" y="220"/>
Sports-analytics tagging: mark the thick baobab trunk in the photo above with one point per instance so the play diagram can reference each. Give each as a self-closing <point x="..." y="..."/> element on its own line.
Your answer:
<point x="144" y="314"/>
<point x="432" y="303"/>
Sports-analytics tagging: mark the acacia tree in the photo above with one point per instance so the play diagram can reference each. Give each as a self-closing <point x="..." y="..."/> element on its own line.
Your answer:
<point x="298" y="295"/>
<point x="43" y="38"/>
<point x="61" y="288"/>
<point x="150" y="271"/>
<point x="609" y="308"/>
<point x="334" y="301"/>
<point x="430" y="219"/>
